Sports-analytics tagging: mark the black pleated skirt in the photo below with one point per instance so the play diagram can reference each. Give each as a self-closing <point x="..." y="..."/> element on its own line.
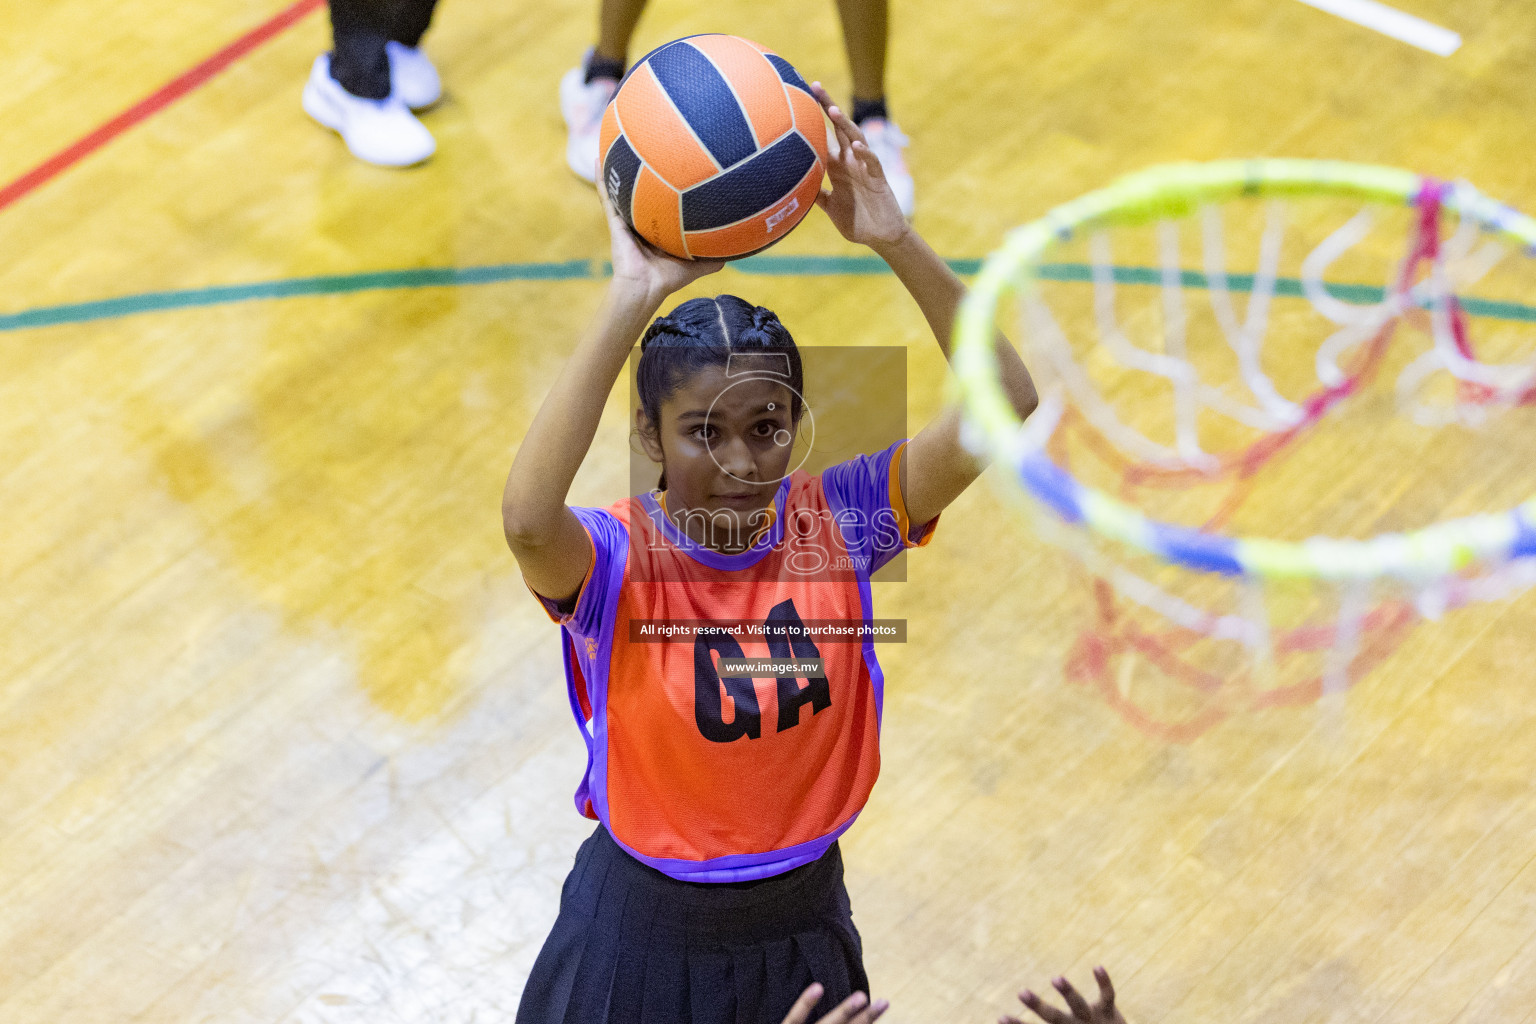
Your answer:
<point x="634" y="946"/>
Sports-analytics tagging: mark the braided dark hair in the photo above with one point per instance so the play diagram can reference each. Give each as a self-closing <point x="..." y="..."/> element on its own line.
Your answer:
<point x="707" y="332"/>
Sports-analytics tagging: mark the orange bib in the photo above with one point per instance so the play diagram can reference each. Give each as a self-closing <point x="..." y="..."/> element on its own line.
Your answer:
<point x="700" y="763"/>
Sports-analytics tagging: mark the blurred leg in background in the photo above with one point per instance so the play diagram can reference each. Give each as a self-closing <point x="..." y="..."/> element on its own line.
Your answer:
<point x="865" y="32"/>
<point x="367" y="86"/>
<point x="586" y="89"/>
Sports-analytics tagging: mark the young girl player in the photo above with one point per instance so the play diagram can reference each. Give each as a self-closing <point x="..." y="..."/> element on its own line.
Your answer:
<point x="712" y="889"/>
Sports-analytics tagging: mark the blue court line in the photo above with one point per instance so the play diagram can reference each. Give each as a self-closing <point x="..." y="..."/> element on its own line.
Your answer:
<point x="573" y="270"/>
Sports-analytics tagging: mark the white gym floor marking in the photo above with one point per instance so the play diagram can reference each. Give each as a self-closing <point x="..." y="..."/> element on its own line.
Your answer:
<point x="1392" y="22"/>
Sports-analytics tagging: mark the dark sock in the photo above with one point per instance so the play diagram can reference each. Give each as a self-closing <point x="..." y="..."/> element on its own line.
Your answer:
<point x="863" y="110"/>
<point x="604" y="67"/>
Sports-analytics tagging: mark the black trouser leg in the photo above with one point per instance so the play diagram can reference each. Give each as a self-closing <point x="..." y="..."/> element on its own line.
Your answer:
<point x="411" y="20"/>
<point x="360" y="29"/>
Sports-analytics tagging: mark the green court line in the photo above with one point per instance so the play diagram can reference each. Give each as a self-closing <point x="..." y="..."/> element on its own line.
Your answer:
<point x="571" y="270"/>
<point x="336" y="284"/>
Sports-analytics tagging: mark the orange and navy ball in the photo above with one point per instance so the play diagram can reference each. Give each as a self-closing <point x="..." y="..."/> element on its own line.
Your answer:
<point x="713" y="148"/>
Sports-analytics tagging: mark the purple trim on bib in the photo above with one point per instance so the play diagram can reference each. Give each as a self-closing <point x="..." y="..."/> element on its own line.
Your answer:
<point x="863" y="561"/>
<point x="871" y="661"/>
<point x="611" y="558"/>
<point x="710" y="557"/>
<point x="741" y="867"/>
<point x="567" y="652"/>
<point x="599" y="694"/>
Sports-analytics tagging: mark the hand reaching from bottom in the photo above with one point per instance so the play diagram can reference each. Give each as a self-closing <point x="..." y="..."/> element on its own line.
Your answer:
<point x="1102" y="1012"/>
<point x="856" y="1009"/>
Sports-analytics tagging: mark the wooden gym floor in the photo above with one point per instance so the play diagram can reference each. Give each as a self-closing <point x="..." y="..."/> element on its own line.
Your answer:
<point x="282" y="738"/>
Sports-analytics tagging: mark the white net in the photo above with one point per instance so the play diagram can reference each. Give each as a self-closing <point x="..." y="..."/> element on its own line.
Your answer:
<point x="1289" y="367"/>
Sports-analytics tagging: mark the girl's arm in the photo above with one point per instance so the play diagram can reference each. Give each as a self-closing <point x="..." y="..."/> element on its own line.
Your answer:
<point x="935" y="466"/>
<point x="549" y="542"/>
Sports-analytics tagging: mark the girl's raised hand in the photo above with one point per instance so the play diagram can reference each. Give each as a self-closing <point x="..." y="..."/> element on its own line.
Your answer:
<point x="856" y="1009"/>
<point x="861" y="203"/>
<point x="638" y="263"/>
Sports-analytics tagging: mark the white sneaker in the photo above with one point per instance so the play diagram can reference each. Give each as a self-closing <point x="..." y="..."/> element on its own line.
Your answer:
<point x="412" y="76"/>
<point x="383" y="132"/>
<point x="582" y="104"/>
<point x="886" y="141"/>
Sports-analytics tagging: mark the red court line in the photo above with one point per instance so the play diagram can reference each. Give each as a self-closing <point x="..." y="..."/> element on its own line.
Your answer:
<point x="154" y="102"/>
